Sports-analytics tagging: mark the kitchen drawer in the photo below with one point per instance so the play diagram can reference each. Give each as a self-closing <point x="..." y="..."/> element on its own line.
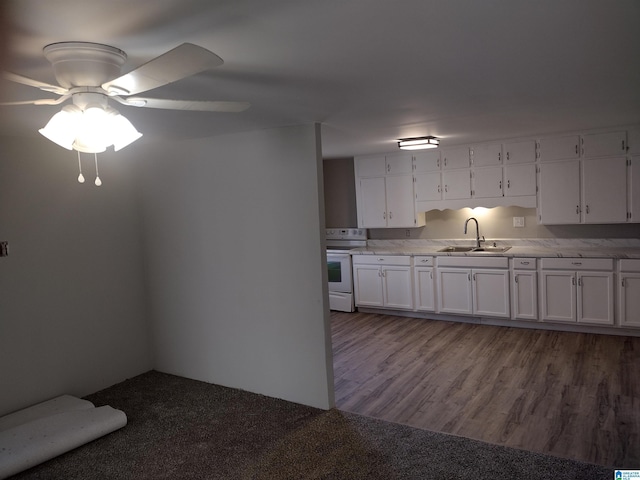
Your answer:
<point x="577" y="263"/>
<point x="421" y="261"/>
<point x="382" y="260"/>
<point x="473" y="262"/>
<point x="628" y="265"/>
<point x="524" y="263"/>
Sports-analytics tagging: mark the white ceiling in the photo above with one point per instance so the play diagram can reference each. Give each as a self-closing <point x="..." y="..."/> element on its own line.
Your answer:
<point x="370" y="71"/>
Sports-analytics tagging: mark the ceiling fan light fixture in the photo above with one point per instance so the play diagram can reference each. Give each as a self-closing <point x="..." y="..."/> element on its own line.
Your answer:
<point x="418" y="143"/>
<point x="62" y="127"/>
<point x="124" y="133"/>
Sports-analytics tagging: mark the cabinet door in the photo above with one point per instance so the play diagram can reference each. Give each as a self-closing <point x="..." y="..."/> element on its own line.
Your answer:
<point x="424" y="289"/>
<point x="519" y="152"/>
<point x="487" y="182"/>
<point x="457" y="184"/>
<point x="397" y="287"/>
<point x="370" y="166"/>
<point x="455" y="157"/>
<point x="373" y="206"/>
<point x="634" y="188"/>
<point x="491" y="292"/>
<point x="399" y="164"/>
<point x="485" y="155"/>
<point x="595" y="297"/>
<point x="630" y="299"/>
<point x="428" y="186"/>
<point x="604" y="190"/>
<point x="559" y="148"/>
<point x="367" y="284"/>
<point x="400" y="201"/>
<point x="454" y="290"/>
<point x="428" y="161"/>
<point x="520" y="180"/>
<point x="525" y="295"/>
<point x="604" y="144"/>
<point x="559" y="195"/>
<point x="559" y="296"/>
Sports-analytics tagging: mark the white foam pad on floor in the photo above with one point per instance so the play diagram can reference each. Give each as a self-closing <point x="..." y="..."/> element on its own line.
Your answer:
<point x="44" y="437"/>
<point x="60" y="404"/>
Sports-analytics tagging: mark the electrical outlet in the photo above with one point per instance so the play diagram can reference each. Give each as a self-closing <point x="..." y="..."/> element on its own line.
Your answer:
<point x="518" y="222"/>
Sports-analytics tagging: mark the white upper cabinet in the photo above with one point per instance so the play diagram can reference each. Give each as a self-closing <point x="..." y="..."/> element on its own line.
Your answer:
<point x="487" y="182"/>
<point x="519" y="180"/>
<point x="456" y="184"/>
<point x="427" y="161"/>
<point x="486" y="155"/>
<point x="604" y="192"/>
<point x="559" y="148"/>
<point x="634" y="188"/>
<point x="604" y="144"/>
<point x="633" y="140"/>
<point x="372" y="166"/>
<point x="519" y="152"/>
<point x="455" y="157"/>
<point x="399" y="164"/>
<point x="559" y="196"/>
<point x="428" y="187"/>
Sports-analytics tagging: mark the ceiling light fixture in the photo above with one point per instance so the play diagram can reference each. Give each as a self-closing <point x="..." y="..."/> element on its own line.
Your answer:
<point x="418" y="143"/>
<point x="90" y="125"/>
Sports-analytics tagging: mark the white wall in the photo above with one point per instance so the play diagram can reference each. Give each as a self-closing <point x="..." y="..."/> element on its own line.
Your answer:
<point x="72" y="306"/>
<point x="235" y="262"/>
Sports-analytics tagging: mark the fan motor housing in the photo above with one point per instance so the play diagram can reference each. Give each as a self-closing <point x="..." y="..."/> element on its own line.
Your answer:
<point x="84" y="64"/>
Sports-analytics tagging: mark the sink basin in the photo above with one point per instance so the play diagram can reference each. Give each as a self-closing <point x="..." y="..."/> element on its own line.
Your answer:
<point x="491" y="249"/>
<point x="455" y="248"/>
<point x="458" y="248"/>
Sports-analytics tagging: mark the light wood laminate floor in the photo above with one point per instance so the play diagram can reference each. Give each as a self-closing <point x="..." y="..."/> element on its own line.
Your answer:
<point x="572" y="395"/>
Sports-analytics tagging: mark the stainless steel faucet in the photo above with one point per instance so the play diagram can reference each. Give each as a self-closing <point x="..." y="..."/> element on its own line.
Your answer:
<point x="477" y="230"/>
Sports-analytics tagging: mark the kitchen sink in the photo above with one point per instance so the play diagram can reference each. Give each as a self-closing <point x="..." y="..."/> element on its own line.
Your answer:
<point x="458" y="248"/>
<point x="455" y="248"/>
<point x="491" y="249"/>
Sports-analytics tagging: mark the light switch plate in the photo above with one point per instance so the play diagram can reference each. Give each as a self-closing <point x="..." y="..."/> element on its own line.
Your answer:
<point x="518" y="222"/>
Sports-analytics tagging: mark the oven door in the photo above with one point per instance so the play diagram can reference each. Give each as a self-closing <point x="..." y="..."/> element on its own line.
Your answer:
<point x="339" y="271"/>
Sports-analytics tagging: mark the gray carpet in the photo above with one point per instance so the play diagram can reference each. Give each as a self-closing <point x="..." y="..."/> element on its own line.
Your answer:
<point x="185" y="429"/>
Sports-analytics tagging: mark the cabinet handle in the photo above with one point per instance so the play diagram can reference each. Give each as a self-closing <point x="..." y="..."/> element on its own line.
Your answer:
<point x="508" y="183"/>
<point x="587" y="209"/>
<point x="390" y="214"/>
<point x="573" y="280"/>
<point x="445" y="161"/>
<point x="438" y="163"/>
<point x="576" y="263"/>
<point x="623" y="282"/>
<point x="446" y="188"/>
<point x="507" y="156"/>
<point x="524" y="263"/>
<point x="577" y="209"/>
<point x="388" y="167"/>
<point x="431" y="275"/>
<point x="381" y="259"/>
<point x="469" y="276"/>
<point x="384" y="215"/>
<point x="500" y="185"/>
<point x="579" y="282"/>
<point x="439" y="189"/>
<point x="499" y="157"/>
<point x="424" y="260"/>
<point x="576" y="149"/>
<point x="384" y="274"/>
<point x="515" y="278"/>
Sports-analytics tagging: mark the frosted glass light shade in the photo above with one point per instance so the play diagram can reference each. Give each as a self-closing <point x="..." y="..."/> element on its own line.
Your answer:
<point x="418" y="143"/>
<point x="90" y="131"/>
<point x="62" y="127"/>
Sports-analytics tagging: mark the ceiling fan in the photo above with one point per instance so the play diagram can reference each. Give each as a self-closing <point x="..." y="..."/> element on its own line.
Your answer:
<point x="89" y="74"/>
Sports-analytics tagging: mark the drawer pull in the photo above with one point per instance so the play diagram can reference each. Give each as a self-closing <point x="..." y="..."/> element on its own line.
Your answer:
<point x="424" y="260"/>
<point x="576" y="263"/>
<point x="524" y="263"/>
<point x="381" y="259"/>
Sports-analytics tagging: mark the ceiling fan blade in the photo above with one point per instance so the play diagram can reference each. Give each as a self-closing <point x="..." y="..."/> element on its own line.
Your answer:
<point x="194" y="105"/>
<point x="41" y="101"/>
<point x="181" y="62"/>
<point x="30" y="82"/>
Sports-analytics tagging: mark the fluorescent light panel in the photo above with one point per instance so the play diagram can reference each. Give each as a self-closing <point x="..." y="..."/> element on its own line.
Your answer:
<point x="418" y="143"/>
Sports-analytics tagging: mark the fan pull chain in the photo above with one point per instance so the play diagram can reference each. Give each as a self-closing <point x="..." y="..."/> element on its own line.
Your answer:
<point x="80" y="177"/>
<point x="98" y="181"/>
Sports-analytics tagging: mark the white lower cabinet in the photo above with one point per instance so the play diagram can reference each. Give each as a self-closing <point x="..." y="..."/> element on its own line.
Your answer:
<point x="577" y="290"/>
<point x="524" y="288"/>
<point x="383" y="281"/>
<point x="424" y="284"/>
<point x="470" y="286"/>
<point x="629" y="296"/>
